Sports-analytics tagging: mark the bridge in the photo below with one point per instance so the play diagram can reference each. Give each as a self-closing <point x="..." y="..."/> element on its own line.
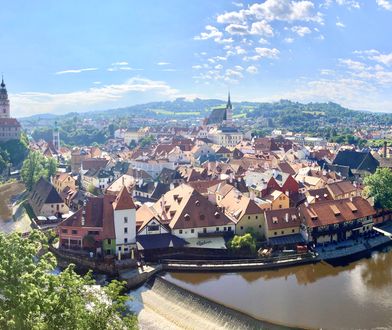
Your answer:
<point x="384" y="232"/>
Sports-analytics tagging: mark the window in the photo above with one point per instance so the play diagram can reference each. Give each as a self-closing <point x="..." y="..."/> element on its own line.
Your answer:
<point x="125" y="240"/>
<point x="74" y="232"/>
<point x="180" y="231"/>
<point x="64" y="231"/>
<point x="224" y="228"/>
<point x="109" y="241"/>
<point x="242" y="227"/>
<point x="282" y="232"/>
<point x="125" y="230"/>
<point x="125" y="219"/>
<point x="153" y="228"/>
<point x="192" y="231"/>
<point x="259" y="226"/>
<point x="204" y="230"/>
<point x="217" y="228"/>
<point x="256" y="216"/>
<point x="275" y="233"/>
<point x="119" y="248"/>
<point x="93" y="232"/>
<point x="248" y="216"/>
<point x="228" y="228"/>
<point x="293" y="231"/>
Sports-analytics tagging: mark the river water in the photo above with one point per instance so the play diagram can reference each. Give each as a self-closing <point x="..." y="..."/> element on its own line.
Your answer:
<point x="351" y="296"/>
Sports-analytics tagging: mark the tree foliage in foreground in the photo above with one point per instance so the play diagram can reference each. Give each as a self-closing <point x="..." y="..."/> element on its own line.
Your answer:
<point x="32" y="297"/>
<point x="379" y="186"/>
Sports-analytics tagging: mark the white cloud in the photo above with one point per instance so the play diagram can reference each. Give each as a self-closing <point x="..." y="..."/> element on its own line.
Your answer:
<point x="236" y="17"/>
<point x="196" y="67"/>
<point x="386" y="4"/>
<point x="239" y="50"/>
<point x="76" y="70"/>
<point x="123" y="68"/>
<point x="263" y="41"/>
<point x="286" y="10"/>
<point x="237" y="29"/>
<point x="340" y="24"/>
<point x="119" y="63"/>
<point x="218" y="67"/>
<point x="252" y="69"/>
<point x="351" y="4"/>
<point x="36" y="102"/>
<point x="163" y="63"/>
<point x="212" y="33"/>
<point x="289" y="40"/>
<point x="237" y="4"/>
<point x="353" y="65"/>
<point x="267" y="52"/>
<point x="385" y="59"/>
<point x="262" y="28"/>
<point x="301" y="30"/>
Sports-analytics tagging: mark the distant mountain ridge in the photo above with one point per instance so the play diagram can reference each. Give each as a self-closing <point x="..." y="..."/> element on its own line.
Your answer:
<point x="181" y="108"/>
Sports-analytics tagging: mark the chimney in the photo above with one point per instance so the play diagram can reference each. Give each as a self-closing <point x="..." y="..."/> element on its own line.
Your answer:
<point x="385" y="149"/>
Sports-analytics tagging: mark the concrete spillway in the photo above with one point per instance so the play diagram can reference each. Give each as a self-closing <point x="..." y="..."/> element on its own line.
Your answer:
<point x="161" y="304"/>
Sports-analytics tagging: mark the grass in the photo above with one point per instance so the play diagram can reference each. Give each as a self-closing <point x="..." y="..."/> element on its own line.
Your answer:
<point x="175" y="113"/>
<point x="8" y="193"/>
<point x="240" y="115"/>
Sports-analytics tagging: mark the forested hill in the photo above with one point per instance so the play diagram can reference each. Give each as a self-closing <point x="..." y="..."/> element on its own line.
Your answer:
<point x="285" y="111"/>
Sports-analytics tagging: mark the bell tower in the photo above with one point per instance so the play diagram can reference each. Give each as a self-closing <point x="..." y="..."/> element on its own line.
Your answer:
<point x="4" y="102"/>
<point x="229" y="110"/>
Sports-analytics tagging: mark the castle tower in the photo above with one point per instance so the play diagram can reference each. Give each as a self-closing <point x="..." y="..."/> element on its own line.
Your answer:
<point x="124" y="222"/>
<point x="229" y="111"/>
<point x="4" y="102"/>
<point x="56" y="137"/>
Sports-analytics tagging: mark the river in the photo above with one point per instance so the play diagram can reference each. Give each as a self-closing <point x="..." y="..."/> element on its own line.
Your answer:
<point x="351" y="296"/>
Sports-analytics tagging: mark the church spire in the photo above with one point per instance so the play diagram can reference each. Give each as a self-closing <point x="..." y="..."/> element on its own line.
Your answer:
<point x="228" y="106"/>
<point x="2" y="82"/>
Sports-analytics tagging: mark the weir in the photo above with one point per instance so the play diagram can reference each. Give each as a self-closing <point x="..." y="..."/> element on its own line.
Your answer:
<point x="188" y="310"/>
<point x="384" y="232"/>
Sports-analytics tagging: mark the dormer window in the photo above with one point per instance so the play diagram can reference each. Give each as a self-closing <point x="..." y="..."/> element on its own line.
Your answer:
<point x="187" y="217"/>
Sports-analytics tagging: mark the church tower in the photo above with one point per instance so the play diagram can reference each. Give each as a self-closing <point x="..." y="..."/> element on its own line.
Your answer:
<point x="229" y="111"/>
<point x="4" y="102"/>
<point x="56" y="137"/>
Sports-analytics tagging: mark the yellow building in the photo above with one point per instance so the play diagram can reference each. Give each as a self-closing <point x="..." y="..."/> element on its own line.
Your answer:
<point x="63" y="180"/>
<point x="244" y="212"/>
<point x="282" y="222"/>
<point x="278" y="200"/>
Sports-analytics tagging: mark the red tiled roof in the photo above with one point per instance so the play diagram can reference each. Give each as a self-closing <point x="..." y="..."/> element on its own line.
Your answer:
<point x="331" y="212"/>
<point x="123" y="201"/>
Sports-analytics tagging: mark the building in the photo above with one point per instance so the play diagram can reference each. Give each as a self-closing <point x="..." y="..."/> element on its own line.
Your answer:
<point x="190" y="215"/>
<point x="104" y="225"/>
<point x="46" y="201"/>
<point x="360" y="163"/>
<point x="244" y="212"/>
<point x="335" y="221"/>
<point x="10" y="128"/>
<point x="63" y="180"/>
<point x="342" y="189"/>
<point x="221" y="116"/>
<point x="225" y="136"/>
<point x="283" y="227"/>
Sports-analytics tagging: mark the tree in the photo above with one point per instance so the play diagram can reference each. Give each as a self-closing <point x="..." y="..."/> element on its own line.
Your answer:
<point x="244" y="243"/>
<point x="33" y="297"/>
<point x="51" y="165"/>
<point x="379" y="186"/>
<point x="36" y="166"/>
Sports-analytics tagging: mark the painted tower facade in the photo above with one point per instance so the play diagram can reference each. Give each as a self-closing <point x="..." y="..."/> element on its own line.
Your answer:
<point x="4" y="102"/>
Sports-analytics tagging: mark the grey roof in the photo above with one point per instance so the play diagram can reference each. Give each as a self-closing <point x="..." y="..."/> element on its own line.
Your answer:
<point x="44" y="193"/>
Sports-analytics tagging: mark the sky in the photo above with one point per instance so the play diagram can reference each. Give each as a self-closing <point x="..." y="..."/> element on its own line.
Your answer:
<point x="66" y="56"/>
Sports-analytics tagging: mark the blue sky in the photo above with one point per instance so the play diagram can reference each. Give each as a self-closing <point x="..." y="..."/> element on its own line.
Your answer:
<point x="62" y="56"/>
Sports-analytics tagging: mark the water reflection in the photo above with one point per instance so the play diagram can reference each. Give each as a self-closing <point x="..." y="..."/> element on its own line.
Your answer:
<point x="354" y="295"/>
